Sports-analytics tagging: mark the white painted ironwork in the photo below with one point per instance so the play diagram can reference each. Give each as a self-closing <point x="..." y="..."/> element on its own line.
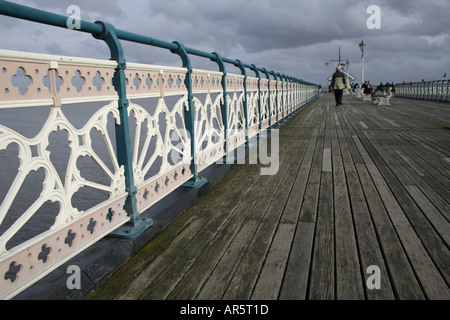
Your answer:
<point x="438" y="90"/>
<point x="161" y="144"/>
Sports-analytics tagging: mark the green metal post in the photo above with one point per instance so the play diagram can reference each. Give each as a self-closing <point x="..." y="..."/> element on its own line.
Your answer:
<point x="268" y="97"/>
<point x="276" y="95"/>
<point x="255" y="69"/>
<point x="137" y="224"/>
<point x="283" y="101"/>
<point x="244" y="73"/>
<point x="189" y="121"/>
<point x="224" y="105"/>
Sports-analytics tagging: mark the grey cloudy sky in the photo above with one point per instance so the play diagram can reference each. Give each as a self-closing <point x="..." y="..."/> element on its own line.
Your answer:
<point x="294" y="37"/>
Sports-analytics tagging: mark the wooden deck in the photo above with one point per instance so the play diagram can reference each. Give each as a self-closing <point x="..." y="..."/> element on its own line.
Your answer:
<point x="358" y="185"/>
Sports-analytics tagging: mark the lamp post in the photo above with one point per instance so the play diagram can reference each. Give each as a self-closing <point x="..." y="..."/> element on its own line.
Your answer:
<point x="362" y="46"/>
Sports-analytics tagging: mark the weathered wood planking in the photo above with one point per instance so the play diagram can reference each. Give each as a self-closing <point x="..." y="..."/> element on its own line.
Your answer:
<point x="358" y="185"/>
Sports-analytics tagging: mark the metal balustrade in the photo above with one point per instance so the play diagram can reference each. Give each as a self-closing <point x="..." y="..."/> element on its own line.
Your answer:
<point x="155" y="128"/>
<point x="436" y="90"/>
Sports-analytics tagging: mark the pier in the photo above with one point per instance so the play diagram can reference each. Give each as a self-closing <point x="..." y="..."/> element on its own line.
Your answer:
<point x="126" y="180"/>
<point x="358" y="185"/>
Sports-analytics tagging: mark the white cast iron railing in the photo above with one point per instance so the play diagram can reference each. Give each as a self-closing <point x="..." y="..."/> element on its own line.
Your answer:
<point x="147" y="131"/>
<point x="437" y="90"/>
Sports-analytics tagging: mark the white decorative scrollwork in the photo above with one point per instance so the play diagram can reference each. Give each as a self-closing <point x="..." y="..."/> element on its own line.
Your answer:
<point x="253" y="113"/>
<point x="169" y="153"/>
<point x="171" y="145"/>
<point x="53" y="188"/>
<point x="209" y="130"/>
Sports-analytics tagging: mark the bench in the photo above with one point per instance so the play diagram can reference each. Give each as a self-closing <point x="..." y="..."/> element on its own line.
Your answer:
<point x="384" y="100"/>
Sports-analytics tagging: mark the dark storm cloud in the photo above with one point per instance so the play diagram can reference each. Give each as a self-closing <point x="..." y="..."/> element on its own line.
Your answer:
<point x="289" y="36"/>
<point x="258" y="25"/>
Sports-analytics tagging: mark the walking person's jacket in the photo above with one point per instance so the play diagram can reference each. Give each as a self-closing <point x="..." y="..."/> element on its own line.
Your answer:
<point x="338" y="80"/>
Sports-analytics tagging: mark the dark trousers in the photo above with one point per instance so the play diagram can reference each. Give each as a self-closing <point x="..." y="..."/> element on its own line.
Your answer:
<point x="338" y="96"/>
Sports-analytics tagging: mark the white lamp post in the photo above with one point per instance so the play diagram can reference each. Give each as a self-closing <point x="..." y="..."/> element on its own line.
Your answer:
<point x="362" y="46"/>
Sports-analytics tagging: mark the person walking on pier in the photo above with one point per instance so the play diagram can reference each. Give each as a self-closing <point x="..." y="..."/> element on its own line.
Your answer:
<point x="338" y="84"/>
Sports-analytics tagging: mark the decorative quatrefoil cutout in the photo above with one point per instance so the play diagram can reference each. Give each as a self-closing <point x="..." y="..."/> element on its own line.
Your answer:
<point x="91" y="225"/>
<point x="45" y="251"/>
<point x="21" y="80"/>
<point x="70" y="237"/>
<point x="14" y="269"/>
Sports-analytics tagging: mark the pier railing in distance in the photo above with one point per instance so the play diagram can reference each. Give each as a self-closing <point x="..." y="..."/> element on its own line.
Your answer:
<point x="151" y="129"/>
<point x="436" y="90"/>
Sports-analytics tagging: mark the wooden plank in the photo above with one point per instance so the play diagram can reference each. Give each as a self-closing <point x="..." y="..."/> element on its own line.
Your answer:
<point x="192" y="282"/>
<point x="349" y="284"/>
<point x="309" y="206"/>
<point x="271" y="275"/>
<point x="429" y="276"/>
<point x="161" y="286"/>
<point x="369" y="249"/>
<point x="326" y="160"/>
<point x="424" y="182"/>
<point x="269" y="282"/>
<point x="202" y="268"/>
<point x="433" y="244"/>
<point x="432" y="164"/>
<point x="242" y="284"/>
<point x="403" y="277"/>
<point x="437" y="220"/>
<point x="214" y="288"/>
<point x="322" y="279"/>
<point x="398" y="268"/>
<point x="398" y="168"/>
<point x="307" y="220"/>
<point x="423" y="144"/>
<point x="295" y="279"/>
<point x="166" y="260"/>
<point x="295" y="282"/>
<point x="176" y="231"/>
<point x="246" y="274"/>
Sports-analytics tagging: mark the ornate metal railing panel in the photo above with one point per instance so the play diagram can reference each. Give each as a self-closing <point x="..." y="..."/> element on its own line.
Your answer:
<point x="72" y="229"/>
<point x="115" y="138"/>
<point x="437" y="90"/>
<point x="252" y="106"/>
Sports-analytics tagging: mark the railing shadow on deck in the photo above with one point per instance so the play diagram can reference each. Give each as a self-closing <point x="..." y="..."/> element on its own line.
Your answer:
<point x="87" y="145"/>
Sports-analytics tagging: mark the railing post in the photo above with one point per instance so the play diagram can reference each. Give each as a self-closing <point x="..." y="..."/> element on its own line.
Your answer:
<point x="268" y="97"/>
<point x="291" y="94"/>
<point x="255" y="69"/>
<point x="189" y="121"/>
<point x="224" y="106"/>
<point x="297" y="98"/>
<point x="276" y="95"/>
<point x="288" y="114"/>
<point x="137" y="224"/>
<point x="306" y="93"/>
<point x="244" y="73"/>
